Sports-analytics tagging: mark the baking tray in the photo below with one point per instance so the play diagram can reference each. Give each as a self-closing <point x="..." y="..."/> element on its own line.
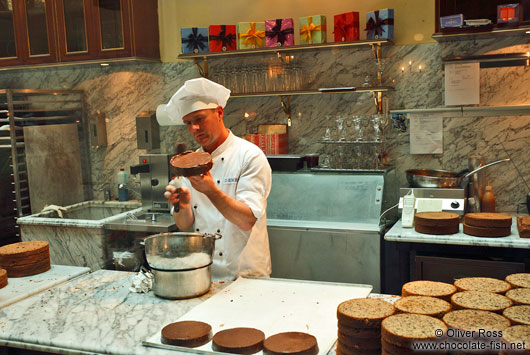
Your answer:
<point x="273" y="306"/>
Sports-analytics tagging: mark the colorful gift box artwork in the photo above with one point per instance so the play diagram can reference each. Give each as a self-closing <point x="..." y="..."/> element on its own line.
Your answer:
<point x="223" y="38"/>
<point x="251" y="35"/>
<point x="194" y="39"/>
<point x="279" y="32"/>
<point x="509" y="13"/>
<point x="380" y="24"/>
<point x="346" y="27"/>
<point x="313" y="29"/>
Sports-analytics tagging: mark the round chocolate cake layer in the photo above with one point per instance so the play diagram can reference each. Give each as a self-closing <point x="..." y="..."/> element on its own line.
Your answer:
<point x="191" y="163"/>
<point x="290" y="343"/>
<point x="238" y="340"/>
<point x="488" y="219"/>
<point x="519" y="280"/>
<point x="429" y="306"/>
<point x="22" y="249"/>
<point x="486" y="284"/>
<point x="28" y="269"/>
<point x="437" y="219"/>
<point x="186" y="333"/>
<point x="363" y="312"/>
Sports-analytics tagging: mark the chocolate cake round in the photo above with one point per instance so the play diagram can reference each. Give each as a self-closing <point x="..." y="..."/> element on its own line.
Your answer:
<point x="191" y="163"/>
<point x="22" y="249"/>
<point x="486" y="284"/>
<point x="190" y="334"/>
<point x="519" y="280"/>
<point x="238" y="341"/>
<point x="290" y="343"/>
<point x="363" y="312"/>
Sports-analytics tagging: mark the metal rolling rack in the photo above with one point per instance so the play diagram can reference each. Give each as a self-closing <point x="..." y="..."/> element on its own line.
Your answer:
<point x="24" y="107"/>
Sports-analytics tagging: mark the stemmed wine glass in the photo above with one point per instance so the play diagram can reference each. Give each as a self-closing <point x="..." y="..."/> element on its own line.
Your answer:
<point x="380" y="68"/>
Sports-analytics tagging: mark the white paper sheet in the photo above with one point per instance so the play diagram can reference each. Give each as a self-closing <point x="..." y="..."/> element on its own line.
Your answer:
<point x="462" y="84"/>
<point x="426" y="133"/>
<point x="273" y="306"/>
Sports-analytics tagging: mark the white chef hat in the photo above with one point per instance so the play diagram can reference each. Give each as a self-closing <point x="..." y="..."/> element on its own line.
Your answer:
<point x="194" y="95"/>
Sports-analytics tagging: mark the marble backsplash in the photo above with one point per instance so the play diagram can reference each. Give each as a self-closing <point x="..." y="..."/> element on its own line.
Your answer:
<point x="121" y="91"/>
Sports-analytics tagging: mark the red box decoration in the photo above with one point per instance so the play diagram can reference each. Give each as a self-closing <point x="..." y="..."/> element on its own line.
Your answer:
<point x="346" y="27"/>
<point x="223" y="38"/>
<point x="509" y="13"/>
<point x="270" y="143"/>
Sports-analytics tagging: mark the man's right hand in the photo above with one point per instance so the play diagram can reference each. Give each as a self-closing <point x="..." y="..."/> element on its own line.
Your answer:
<point x="173" y="197"/>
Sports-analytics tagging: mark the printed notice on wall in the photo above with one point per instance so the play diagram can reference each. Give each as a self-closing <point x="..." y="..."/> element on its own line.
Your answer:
<point x="462" y="84"/>
<point x="426" y="133"/>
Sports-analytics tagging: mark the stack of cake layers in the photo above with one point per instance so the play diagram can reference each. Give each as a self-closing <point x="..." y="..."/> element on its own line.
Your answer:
<point x="486" y="224"/>
<point x="25" y="258"/>
<point x="3" y="278"/>
<point x="436" y="222"/>
<point x="518" y="314"/>
<point x="523" y="226"/>
<point x="359" y="325"/>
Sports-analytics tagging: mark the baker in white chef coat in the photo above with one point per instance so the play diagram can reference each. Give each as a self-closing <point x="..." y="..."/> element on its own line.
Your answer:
<point x="231" y="199"/>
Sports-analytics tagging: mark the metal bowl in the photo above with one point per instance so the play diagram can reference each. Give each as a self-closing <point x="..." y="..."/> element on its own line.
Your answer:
<point x="180" y="263"/>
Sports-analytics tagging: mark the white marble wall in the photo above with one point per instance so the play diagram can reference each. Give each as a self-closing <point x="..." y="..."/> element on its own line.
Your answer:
<point x="122" y="91"/>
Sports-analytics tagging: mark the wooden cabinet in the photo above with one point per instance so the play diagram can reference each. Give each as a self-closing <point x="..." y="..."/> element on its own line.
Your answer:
<point x="27" y="32"/>
<point x="451" y="269"/>
<point x="45" y="31"/>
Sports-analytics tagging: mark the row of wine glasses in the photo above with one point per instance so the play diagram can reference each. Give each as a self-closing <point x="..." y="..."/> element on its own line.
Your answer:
<point x="346" y="156"/>
<point x="353" y="128"/>
<point x="260" y="78"/>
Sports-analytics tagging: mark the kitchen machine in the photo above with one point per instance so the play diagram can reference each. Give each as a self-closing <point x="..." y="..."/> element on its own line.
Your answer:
<point x="440" y="190"/>
<point x="154" y="215"/>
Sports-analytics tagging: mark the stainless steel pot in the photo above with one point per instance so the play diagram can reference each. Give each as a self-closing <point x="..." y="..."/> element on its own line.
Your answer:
<point x="180" y="263"/>
<point x="443" y="178"/>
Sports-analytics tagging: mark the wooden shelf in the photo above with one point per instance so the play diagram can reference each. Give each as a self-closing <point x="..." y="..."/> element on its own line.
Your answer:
<point x="301" y="47"/>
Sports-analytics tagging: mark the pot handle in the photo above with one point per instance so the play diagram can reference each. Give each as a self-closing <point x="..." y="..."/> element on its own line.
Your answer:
<point x="214" y="236"/>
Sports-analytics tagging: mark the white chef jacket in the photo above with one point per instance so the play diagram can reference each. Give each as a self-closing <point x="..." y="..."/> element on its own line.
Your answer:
<point x="242" y="171"/>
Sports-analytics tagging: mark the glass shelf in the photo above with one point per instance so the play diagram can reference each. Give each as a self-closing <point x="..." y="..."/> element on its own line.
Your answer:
<point x="332" y="170"/>
<point x="363" y="89"/>
<point x="348" y="142"/>
<point x="301" y="47"/>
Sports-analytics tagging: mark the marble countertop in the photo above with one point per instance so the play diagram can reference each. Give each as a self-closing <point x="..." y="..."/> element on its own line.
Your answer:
<point x="19" y="288"/>
<point x="399" y="234"/>
<point x="95" y="313"/>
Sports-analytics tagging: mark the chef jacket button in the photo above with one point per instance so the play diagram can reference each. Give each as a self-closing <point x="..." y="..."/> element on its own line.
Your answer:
<point x="222" y="159"/>
<point x="220" y="253"/>
<point x="218" y="231"/>
<point x="218" y="181"/>
<point x="195" y="206"/>
<point x="197" y="229"/>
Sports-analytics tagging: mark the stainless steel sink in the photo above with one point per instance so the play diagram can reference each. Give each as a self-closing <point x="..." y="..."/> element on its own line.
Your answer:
<point x="78" y="237"/>
<point x="93" y="213"/>
<point x="143" y="221"/>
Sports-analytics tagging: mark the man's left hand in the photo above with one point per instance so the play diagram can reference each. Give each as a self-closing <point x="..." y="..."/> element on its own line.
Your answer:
<point x="204" y="183"/>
